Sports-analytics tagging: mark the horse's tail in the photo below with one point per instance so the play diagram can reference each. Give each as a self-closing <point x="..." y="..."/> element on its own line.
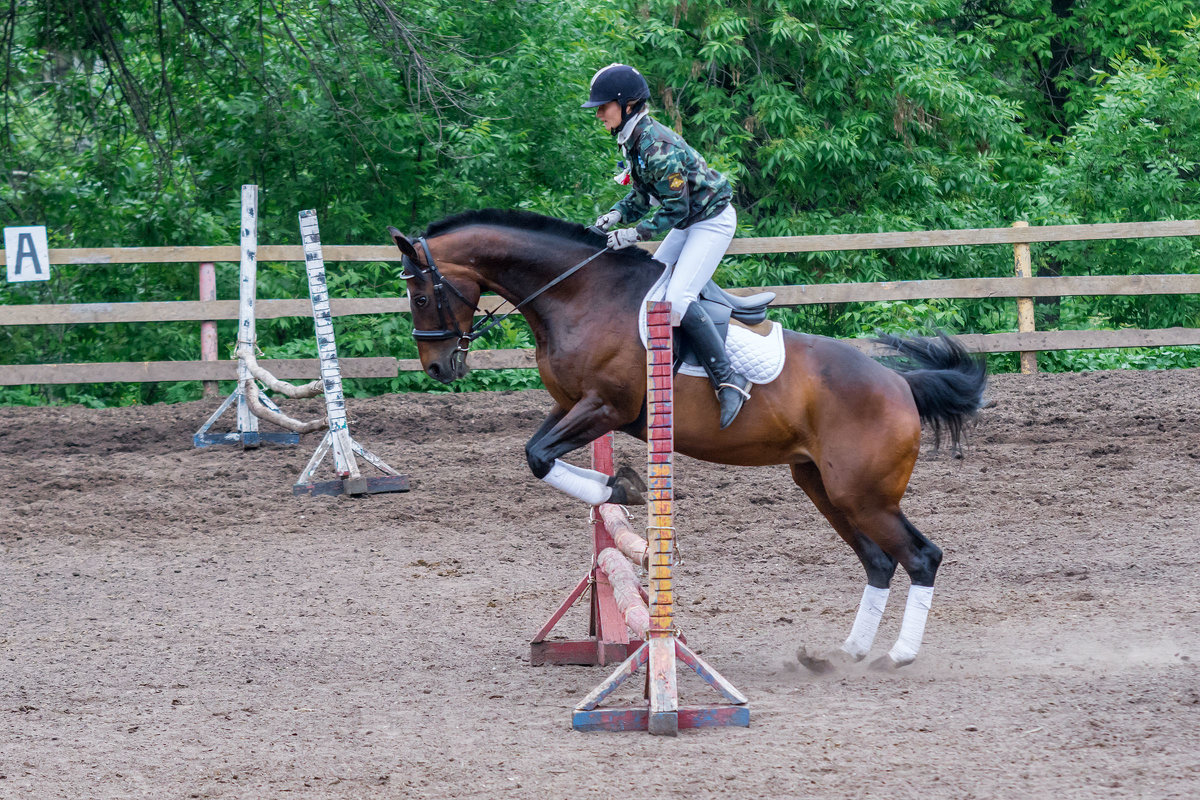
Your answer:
<point x="947" y="382"/>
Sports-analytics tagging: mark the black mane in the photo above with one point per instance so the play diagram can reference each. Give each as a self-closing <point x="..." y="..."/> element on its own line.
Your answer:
<point x="533" y="223"/>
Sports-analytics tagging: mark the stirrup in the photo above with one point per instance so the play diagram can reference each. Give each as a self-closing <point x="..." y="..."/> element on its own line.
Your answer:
<point x="743" y="392"/>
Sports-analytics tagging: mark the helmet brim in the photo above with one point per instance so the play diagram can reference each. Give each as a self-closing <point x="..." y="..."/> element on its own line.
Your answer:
<point x="594" y="103"/>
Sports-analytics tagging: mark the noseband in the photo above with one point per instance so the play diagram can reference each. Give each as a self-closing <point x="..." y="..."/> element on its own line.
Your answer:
<point x="442" y="301"/>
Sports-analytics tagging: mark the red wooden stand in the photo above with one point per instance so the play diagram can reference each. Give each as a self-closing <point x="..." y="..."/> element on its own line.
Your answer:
<point x="608" y="640"/>
<point x="663" y="644"/>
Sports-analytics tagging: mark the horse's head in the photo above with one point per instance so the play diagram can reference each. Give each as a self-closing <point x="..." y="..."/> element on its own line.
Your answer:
<point x="443" y="298"/>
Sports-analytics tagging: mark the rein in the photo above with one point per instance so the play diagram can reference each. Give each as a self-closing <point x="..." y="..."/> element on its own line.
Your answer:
<point x="490" y="319"/>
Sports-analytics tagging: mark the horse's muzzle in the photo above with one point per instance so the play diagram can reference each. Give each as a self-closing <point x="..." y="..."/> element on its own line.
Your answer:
<point x="450" y="370"/>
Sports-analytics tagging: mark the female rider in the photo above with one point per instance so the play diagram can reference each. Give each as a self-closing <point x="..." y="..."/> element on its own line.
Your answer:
<point x="693" y="204"/>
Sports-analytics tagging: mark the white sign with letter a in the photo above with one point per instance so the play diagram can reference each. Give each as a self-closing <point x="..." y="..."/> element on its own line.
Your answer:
<point x="27" y="254"/>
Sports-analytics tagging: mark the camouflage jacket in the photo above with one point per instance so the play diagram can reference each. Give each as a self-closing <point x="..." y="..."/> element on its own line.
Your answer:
<point x="663" y="166"/>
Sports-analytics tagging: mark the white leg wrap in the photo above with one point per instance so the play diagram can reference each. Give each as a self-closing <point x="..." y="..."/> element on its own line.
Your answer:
<point x="866" y="624"/>
<point x="912" y="629"/>
<point x="587" y="485"/>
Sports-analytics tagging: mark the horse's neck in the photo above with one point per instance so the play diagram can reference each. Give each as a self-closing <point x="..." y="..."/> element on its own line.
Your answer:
<point x="515" y="270"/>
<point x="517" y="266"/>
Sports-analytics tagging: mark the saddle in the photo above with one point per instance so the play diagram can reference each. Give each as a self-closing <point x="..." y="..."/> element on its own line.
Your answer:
<point x="755" y="346"/>
<point x="723" y="306"/>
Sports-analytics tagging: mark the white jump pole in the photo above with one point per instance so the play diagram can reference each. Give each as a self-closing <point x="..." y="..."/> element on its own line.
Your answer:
<point x="247" y="294"/>
<point x="337" y="437"/>
<point x="247" y="433"/>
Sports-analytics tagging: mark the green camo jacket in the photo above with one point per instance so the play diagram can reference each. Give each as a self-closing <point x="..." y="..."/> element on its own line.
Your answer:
<point x="664" y="166"/>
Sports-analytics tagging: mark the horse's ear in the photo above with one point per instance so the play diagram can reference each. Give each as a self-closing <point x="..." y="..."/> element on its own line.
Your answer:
<point x="403" y="243"/>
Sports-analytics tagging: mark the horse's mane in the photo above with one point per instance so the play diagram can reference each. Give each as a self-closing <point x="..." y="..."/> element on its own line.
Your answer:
<point x="534" y="223"/>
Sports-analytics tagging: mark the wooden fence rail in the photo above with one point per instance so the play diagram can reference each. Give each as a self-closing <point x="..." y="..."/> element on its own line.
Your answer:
<point x="775" y="244"/>
<point x="787" y="296"/>
<point x="1026" y="340"/>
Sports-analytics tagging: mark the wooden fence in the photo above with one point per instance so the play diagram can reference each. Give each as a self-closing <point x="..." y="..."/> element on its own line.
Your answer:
<point x="1022" y="288"/>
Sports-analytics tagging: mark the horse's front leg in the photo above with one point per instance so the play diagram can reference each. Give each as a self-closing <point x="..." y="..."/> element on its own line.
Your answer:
<point x="565" y="431"/>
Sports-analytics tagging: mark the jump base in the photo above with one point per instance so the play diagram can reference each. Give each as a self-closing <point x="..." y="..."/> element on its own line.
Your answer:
<point x="247" y="440"/>
<point x="638" y="719"/>
<point x="380" y="485"/>
<point x="667" y="720"/>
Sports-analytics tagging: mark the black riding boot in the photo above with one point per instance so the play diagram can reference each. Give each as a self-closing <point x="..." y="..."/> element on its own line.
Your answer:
<point x="732" y="388"/>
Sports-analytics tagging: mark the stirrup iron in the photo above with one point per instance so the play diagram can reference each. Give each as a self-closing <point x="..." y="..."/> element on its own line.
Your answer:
<point x="745" y="393"/>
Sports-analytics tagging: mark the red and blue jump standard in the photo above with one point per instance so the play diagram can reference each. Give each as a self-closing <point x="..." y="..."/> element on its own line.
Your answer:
<point x="663" y="645"/>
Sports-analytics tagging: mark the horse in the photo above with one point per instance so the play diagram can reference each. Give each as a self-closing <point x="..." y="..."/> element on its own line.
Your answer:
<point x="847" y="425"/>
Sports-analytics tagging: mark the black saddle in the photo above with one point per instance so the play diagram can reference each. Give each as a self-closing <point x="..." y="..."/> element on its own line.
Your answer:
<point x="722" y="306"/>
<point x="749" y="310"/>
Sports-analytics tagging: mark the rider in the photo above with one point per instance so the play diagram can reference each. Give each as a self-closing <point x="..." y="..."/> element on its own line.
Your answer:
<point x="693" y="204"/>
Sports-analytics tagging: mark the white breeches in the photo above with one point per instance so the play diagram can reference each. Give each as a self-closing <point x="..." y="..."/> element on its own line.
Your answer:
<point x="694" y="254"/>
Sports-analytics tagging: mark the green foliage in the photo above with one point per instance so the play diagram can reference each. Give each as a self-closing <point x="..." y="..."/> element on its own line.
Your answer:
<point x="1126" y="358"/>
<point x="134" y="123"/>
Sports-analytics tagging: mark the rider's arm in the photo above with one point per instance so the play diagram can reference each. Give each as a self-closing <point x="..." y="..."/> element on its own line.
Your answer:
<point x="632" y="206"/>
<point x="665" y="173"/>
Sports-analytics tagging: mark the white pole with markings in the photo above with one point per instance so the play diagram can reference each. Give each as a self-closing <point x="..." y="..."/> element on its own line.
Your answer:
<point x="335" y="401"/>
<point x="337" y="437"/>
<point x="247" y="433"/>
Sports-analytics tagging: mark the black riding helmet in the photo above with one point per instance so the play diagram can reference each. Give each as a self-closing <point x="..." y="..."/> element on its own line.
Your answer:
<point x="621" y="83"/>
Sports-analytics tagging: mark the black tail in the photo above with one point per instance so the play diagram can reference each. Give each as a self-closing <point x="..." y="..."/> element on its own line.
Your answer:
<point x="946" y="381"/>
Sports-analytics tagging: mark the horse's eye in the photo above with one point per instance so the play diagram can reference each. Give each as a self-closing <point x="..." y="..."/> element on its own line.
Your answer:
<point x="420" y="301"/>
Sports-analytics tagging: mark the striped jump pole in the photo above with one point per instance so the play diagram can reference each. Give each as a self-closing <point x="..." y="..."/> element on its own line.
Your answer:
<point x="337" y="438"/>
<point x="662" y="645"/>
<point x="247" y="434"/>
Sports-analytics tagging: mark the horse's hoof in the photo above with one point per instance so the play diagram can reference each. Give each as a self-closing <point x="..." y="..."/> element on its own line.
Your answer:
<point x="625" y="492"/>
<point x="889" y="664"/>
<point x="633" y="477"/>
<point x="854" y="657"/>
<point x="813" y="663"/>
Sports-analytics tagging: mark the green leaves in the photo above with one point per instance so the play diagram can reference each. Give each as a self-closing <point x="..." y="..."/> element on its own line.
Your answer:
<point x="829" y="116"/>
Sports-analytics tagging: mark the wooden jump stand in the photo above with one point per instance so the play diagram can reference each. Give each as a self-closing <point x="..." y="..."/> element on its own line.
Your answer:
<point x="247" y="434"/>
<point x="614" y="611"/>
<point x="337" y="438"/>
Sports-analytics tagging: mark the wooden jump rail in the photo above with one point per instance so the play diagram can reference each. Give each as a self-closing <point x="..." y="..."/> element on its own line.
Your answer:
<point x="617" y="597"/>
<point x="1022" y="287"/>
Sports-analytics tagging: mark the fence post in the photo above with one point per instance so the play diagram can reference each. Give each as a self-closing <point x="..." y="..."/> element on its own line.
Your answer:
<point x="208" y="328"/>
<point x="1025" y="323"/>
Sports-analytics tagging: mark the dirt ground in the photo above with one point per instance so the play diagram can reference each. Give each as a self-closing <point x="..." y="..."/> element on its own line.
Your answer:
<point x="174" y="623"/>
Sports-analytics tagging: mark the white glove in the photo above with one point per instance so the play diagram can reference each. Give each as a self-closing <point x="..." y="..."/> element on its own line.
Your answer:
<point x="620" y="239"/>
<point x="606" y="221"/>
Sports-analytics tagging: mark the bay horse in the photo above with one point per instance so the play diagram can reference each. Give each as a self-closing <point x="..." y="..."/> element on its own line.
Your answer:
<point x="847" y="426"/>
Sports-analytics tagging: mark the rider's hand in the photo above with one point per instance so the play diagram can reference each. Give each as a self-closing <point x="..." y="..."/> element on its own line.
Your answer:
<point x="622" y="238"/>
<point x="606" y="221"/>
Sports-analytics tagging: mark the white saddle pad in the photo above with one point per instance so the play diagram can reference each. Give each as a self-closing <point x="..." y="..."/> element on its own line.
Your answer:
<point x="760" y="358"/>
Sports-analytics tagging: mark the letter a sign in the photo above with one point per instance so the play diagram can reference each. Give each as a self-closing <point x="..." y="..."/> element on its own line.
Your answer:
<point x="27" y="254"/>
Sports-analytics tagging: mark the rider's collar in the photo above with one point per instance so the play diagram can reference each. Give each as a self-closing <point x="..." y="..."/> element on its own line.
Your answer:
<point x="627" y="129"/>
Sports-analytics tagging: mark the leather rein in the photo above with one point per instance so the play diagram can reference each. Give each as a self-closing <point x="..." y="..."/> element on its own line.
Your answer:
<point x="443" y="289"/>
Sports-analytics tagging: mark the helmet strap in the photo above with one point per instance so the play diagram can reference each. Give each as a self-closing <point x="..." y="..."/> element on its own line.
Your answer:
<point x="627" y="113"/>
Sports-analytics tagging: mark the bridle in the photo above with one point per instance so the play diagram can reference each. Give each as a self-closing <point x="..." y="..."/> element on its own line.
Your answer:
<point x="443" y="289"/>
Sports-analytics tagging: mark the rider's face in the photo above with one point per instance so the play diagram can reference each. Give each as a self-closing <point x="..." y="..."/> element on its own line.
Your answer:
<point x="610" y="115"/>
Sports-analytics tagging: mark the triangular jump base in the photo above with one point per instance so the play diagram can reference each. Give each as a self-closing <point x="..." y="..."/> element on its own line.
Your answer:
<point x="248" y="435"/>
<point x="666" y="720"/>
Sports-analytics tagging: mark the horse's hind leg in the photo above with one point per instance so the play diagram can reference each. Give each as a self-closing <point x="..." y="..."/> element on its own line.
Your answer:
<point x="879" y="565"/>
<point x="920" y="558"/>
